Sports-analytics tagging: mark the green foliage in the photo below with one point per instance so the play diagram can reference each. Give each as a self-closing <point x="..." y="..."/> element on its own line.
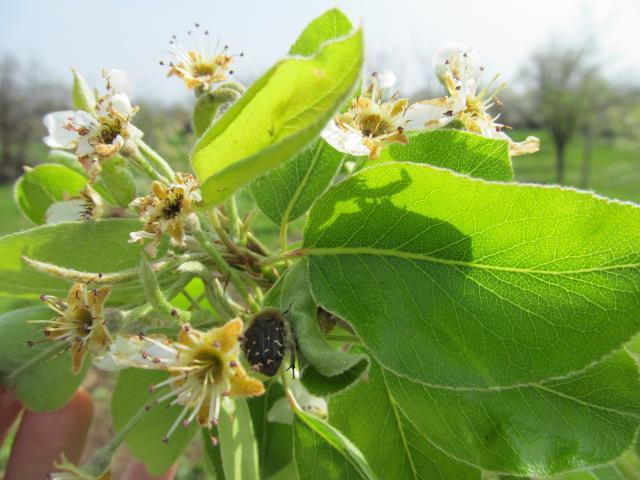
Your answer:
<point x="82" y="96"/>
<point x="97" y="247"/>
<point x="462" y="152"/>
<point x="326" y="370"/>
<point x="464" y="274"/>
<point x="116" y="183"/>
<point x="238" y="444"/>
<point x="275" y="440"/>
<point x="322" y="452"/>
<point x="589" y="418"/>
<point x="145" y="439"/>
<point x="369" y="416"/>
<point x="331" y="24"/>
<point x="40" y="187"/>
<point x="41" y="374"/>
<point x="286" y="192"/>
<point x="277" y="116"/>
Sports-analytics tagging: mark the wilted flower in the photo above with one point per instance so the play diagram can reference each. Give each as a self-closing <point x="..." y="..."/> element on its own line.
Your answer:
<point x="199" y="67"/>
<point x="98" y="134"/>
<point x="204" y="368"/>
<point x="79" y="321"/>
<point x="166" y="209"/>
<point x="457" y="67"/>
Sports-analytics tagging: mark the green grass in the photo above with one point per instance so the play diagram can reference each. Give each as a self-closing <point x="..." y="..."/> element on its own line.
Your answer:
<point x="615" y="171"/>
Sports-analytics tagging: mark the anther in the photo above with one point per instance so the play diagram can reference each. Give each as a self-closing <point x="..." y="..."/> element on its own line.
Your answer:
<point x="214" y="441"/>
<point x="217" y="344"/>
<point x="233" y="364"/>
<point x="165" y="440"/>
<point x="29" y="343"/>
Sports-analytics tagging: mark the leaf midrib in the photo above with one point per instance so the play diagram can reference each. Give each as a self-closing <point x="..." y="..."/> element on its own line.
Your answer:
<point x="332" y="251"/>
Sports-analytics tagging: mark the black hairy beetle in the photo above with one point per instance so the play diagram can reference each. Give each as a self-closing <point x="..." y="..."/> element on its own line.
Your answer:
<point x="267" y="340"/>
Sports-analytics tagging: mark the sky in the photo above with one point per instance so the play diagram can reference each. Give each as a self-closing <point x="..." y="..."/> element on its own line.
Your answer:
<point x="401" y="35"/>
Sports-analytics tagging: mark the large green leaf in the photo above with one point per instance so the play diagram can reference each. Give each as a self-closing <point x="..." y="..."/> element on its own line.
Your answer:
<point x="275" y="440"/>
<point x="279" y="115"/>
<point x="460" y="151"/>
<point x="40" y="187"/>
<point x="99" y="247"/>
<point x="116" y="182"/>
<point x="145" y="439"/>
<point x="41" y="374"/>
<point x="369" y="417"/>
<point x="238" y="445"/>
<point x="331" y="24"/>
<point x="460" y="282"/>
<point x="576" y="422"/>
<point x="287" y="191"/>
<point x="326" y="369"/>
<point x="625" y="467"/>
<point x="322" y="452"/>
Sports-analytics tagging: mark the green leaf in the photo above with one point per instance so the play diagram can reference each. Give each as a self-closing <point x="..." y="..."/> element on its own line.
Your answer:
<point x="116" y="182"/>
<point x="67" y="159"/>
<point x="41" y="374"/>
<point x="82" y="95"/>
<point x="279" y="115"/>
<point x="275" y="440"/>
<point x="238" y="443"/>
<point x="204" y="113"/>
<point x="42" y="186"/>
<point x="331" y="24"/>
<point x="625" y="467"/>
<point x="145" y="439"/>
<point x="100" y="246"/>
<point x="460" y="151"/>
<point x="212" y="456"/>
<point x="287" y="191"/>
<point x="460" y="282"/>
<point x="327" y="370"/>
<point x="368" y="415"/>
<point x="576" y="422"/>
<point x="322" y="452"/>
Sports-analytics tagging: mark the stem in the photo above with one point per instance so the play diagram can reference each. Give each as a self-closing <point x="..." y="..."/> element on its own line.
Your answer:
<point x="141" y="163"/>
<point x="156" y="160"/>
<point x="231" y="207"/>
<point x="156" y="298"/>
<point x="342" y="338"/>
<point x="258" y="243"/>
<point x="284" y="241"/>
<point x="282" y="257"/>
<point x="223" y="235"/>
<point x="223" y="267"/>
<point x="191" y="300"/>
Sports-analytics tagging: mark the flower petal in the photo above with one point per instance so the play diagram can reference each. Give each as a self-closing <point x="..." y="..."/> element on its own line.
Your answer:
<point x="429" y="114"/>
<point x="59" y="137"/>
<point x="344" y="141"/>
<point x="117" y="81"/>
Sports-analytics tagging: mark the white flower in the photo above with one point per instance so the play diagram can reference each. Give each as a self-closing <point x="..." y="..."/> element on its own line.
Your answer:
<point x="457" y="67"/>
<point x="371" y="124"/>
<point x="99" y="134"/>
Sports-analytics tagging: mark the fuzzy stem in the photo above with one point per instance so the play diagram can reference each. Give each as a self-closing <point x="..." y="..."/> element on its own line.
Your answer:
<point x="156" y="298"/>
<point x="231" y="207"/>
<point x="143" y="165"/>
<point x="156" y="160"/>
<point x="222" y="266"/>
<point x="282" y="257"/>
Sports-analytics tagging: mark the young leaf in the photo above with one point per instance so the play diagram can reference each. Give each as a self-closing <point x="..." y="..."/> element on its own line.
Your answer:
<point x="42" y="186"/>
<point x="460" y="282"/>
<point x="116" y="182"/>
<point x="275" y="440"/>
<point x="41" y="374"/>
<point x="328" y="369"/>
<point x="278" y="116"/>
<point x="287" y="191"/>
<point x="368" y="415"/>
<point x="540" y="430"/>
<point x="82" y="95"/>
<point x="99" y="246"/>
<point x="145" y="440"/>
<point x="207" y="107"/>
<point x="331" y="24"/>
<point x="460" y="151"/>
<point x="322" y="452"/>
<point x="238" y="443"/>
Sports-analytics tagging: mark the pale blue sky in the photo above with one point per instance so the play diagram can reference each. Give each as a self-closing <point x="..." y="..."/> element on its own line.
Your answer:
<point x="401" y="34"/>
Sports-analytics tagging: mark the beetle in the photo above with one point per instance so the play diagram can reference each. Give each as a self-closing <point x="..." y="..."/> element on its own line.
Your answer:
<point x="267" y="340"/>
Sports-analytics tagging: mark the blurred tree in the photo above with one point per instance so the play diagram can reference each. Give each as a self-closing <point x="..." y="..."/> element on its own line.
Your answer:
<point x="24" y="98"/>
<point x="564" y="94"/>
